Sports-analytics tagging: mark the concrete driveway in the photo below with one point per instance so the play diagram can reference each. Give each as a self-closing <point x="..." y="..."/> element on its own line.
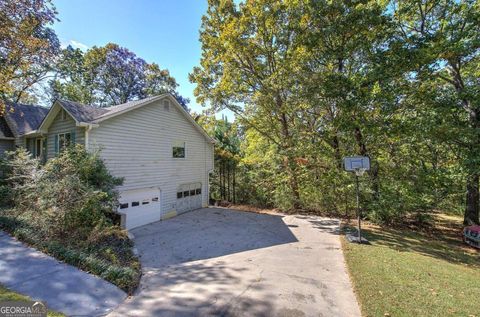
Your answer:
<point x="222" y="262"/>
<point x="61" y="286"/>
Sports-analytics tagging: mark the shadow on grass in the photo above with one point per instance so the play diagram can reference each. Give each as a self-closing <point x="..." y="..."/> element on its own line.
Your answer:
<point x="442" y="242"/>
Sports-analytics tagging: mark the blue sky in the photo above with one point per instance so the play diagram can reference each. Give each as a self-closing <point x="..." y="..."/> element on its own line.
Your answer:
<point x="160" y="31"/>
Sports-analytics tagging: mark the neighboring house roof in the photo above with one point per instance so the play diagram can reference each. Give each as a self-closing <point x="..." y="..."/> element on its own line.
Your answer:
<point x="87" y="114"/>
<point x="5" y="131"/>
<point x="22" y="119"/>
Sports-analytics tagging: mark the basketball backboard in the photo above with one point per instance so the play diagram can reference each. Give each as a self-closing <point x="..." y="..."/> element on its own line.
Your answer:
<point x="355" y="163"/>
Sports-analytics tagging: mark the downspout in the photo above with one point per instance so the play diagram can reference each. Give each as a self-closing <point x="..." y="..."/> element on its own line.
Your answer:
<point x="88" y="127"/>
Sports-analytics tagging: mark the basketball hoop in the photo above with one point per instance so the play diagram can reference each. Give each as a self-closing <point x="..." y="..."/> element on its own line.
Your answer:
<point x="360" y="171"/>
<point x="359" y="165"/>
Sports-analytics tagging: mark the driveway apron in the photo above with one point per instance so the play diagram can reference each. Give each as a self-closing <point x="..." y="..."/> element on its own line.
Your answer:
<point x="221" y="262"/>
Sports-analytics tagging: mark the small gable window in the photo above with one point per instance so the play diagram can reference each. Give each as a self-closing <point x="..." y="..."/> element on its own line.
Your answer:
<point x="178" y="150"/>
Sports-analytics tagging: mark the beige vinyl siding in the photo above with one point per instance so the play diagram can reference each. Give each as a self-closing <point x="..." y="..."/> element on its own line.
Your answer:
<point x="6" y="145"/>
<point x="137" y="145"/>
<point x="20" y="141"/>
<point x="60" y="125"/>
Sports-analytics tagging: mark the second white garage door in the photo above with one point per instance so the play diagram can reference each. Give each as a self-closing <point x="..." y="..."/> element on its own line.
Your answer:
<point x="140" y="206"/>
<point x="189" y="197"/>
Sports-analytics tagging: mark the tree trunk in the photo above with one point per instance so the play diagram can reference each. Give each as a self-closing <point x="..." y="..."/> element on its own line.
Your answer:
<point x="222" y="180"/>
<point x="293" y="184"/>
<point x="373" y="166"/>
<point x="472" y="201"/>
<point x="228" y="181"/>
<point x="472" y="196"/>
<point x="234" y="189"/>
<point x="290" y="164"/>
<point x="336" y="148"/>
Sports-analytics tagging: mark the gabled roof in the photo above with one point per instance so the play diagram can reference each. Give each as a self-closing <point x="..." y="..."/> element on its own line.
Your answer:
<point x="90" y="115"/>
<point x="22" y="119"/>
<point x="125" y="107"/>
<point x="81" y="112"/>
<point x="5" y="131"/>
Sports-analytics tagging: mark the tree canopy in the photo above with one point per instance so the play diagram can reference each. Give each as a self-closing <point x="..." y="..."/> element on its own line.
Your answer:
<point x="28" y="46"/>
<point x="314" y="81"/>
<point x="108" y="75"/>
<point x="32" y="63"/>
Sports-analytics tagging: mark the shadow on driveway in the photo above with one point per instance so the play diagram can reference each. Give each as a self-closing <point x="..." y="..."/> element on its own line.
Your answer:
<point x="209" y="233"/>
<point x="222" y="262"/>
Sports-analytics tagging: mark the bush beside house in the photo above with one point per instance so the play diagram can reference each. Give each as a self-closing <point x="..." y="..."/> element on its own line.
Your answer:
<point x="66" y="208"/>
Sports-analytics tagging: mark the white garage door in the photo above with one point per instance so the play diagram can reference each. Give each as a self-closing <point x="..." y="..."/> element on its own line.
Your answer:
<point x="140" y="206"/>
<point x="189" y="197"/>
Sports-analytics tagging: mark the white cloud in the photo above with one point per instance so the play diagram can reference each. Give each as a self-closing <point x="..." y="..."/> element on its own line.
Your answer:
<point x="74" y="44"/>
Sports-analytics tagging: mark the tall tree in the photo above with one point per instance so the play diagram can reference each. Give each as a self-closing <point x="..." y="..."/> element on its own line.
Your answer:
<point x="109" y="75"/>
<point x="247" y="65"/>
<point x="296" y="71"/>
<point x="443" y="38"/>
<point x="28" y="46"/>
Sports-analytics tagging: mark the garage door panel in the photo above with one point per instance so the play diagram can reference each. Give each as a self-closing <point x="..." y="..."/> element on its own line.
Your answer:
<point x="189" y="197"/>
<point x="140" y="206"/>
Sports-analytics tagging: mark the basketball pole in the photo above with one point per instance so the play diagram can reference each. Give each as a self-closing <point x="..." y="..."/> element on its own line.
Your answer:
<point x="358" y="210"/>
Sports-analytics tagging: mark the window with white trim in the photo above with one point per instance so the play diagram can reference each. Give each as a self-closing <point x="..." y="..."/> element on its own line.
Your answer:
<point x="64" y="140"/>
<point x="178" y="150"/>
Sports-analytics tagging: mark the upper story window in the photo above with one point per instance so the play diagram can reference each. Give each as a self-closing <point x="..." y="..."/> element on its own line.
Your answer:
<point x="64" y="140"/>
<point x="178" y="150"/>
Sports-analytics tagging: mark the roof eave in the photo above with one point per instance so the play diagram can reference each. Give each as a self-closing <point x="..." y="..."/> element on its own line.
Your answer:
<point x="87" y="124"/>
<point x="111" y="115"/>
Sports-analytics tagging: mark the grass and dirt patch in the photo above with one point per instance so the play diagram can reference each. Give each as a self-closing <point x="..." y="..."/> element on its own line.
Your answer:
<point x="415" y="271"/>
<point x="8" y="295"/>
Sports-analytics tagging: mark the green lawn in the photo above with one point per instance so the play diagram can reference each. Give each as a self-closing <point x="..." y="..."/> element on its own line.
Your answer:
<point x="7" y="295"/>
<point x="411" y="272"/>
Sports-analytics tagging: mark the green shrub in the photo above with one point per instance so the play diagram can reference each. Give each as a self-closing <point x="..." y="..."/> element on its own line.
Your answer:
<point x="65" y="208"/>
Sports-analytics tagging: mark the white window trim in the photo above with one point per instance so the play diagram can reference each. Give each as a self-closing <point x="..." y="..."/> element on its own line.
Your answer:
<point x="58" y="140"/>
<point x="185" y="151"/>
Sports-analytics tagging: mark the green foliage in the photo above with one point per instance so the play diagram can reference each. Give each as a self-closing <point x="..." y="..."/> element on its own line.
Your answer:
<point x="108" y="75"/>
<point x="78" y="189"/>
<point x="28" y="47"/>
<point x="65" y="208"/>
<point x="312" y="82"/>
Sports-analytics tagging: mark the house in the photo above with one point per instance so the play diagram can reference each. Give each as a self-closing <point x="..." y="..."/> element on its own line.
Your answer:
<point x="164" y="156"/>
<point x="17" y="125"/>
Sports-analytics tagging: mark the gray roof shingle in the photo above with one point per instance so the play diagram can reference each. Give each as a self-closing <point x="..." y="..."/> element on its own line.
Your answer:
<point x="125" y="106"/>
<point x="87" y="113"/>
<point x="22" y="118"/>
<point x="81" y="112"/>
<point x="5" y="131"/>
